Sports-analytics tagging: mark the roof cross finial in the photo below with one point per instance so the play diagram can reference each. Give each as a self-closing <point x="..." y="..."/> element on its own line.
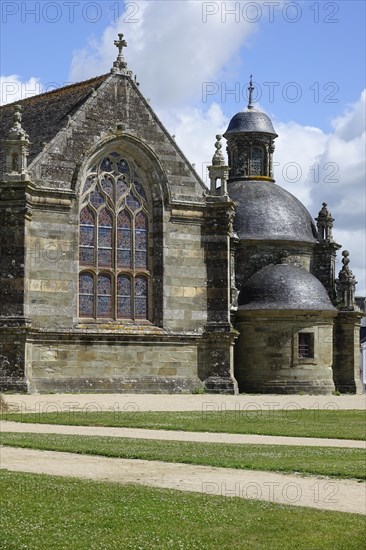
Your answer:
<point x="251" y="88"/>
<point x="120" y="65"/>
<point x="120" y="43"/>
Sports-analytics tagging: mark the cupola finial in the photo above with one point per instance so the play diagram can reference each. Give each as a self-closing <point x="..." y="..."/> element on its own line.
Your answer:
<point x="251" y="88"/>
<point x="324" y="223"/>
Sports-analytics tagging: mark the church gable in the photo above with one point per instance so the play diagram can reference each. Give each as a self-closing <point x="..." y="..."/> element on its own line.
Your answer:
<point x="69" y="125"/>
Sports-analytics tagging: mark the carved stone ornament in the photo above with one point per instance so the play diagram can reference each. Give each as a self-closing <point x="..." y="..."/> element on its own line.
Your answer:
<point x="324" y="224"/>
<point x="16" y="148"/>
<point x="120" y="65"/>
<point x="346" y="284"/>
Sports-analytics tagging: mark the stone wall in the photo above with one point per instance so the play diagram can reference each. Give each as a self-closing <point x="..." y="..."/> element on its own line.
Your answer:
<point x="266" y="354"/>
<point x="13" y="324"/>
<point x="250" y="257"/>
<point x="347" y="376"/>
<point x="185" y="272"/>
<point x="324" y="266"/>
<point x="13" y="212"/>
<point x="52" y="269"/>
<point x="112" y="363"/>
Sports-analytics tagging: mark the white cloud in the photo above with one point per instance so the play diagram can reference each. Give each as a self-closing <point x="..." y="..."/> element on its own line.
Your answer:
<point x="13" y="88"/>
<point x="352" y="123"/>
<point x="340" y="180"/>
<point x="195" y="130"/>
<point x="313" y="165"/>
<point x="173" y="53"/>
<point x="170" y="49"/>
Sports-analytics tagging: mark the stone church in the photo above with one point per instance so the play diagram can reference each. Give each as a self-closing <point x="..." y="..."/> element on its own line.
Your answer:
<point x="121" y="272"/>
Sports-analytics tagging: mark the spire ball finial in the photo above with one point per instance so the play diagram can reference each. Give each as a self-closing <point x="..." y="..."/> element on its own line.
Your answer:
<point x="218" y="158"/>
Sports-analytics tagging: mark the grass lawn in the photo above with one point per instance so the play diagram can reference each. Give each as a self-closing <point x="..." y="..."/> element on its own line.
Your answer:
<point x="312" y="460"/>
<point x="303" y="423"/>
<point x="40" y="512"/>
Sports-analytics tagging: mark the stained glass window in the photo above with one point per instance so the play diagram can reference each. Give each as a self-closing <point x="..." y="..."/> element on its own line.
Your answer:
<point x="132" y="202"/>
<point x="87" y="237"/>
<point x="139" y="188"/>
<point x="124" y="240"/>
<point x="108" y="186"/>
<point x="140" y="297"/>
<point x="106" y="165"/>
<point x="123" y="167"/>
<point x="124" y="295"/>
<point x="89" y="182"/>
<point x="114" y="242"/>
<point x="105" y="238"/>
<point x="86" y="295"/>
<point x="104" y="308"/>
<point x="122" y="187"/>
<point x="141" y="240"/>
<point x="96" y="198"/>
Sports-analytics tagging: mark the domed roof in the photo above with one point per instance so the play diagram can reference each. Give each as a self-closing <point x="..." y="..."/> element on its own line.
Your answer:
<point x="284" y="287"/>
<point x="250" y="120"/>
<point x="266" y="211"/>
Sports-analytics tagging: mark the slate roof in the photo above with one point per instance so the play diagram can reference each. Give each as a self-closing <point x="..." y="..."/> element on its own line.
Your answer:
<point x="250" y="121"/>
<point x="284" y="287"/>
<point x="44" y="115"/>
<point x="266" y="211"/>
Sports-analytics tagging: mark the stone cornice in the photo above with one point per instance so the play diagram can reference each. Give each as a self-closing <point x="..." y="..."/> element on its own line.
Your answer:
<point x="27" y="194"/>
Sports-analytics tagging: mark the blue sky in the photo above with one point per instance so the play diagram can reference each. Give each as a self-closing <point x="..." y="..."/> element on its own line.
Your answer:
<point x="314" y="44"/>
<point x="188" y="55"/>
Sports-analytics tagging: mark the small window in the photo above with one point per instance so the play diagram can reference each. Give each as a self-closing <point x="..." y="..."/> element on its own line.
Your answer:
<point x="256" y="162"/>
<point x="305" y="345"/>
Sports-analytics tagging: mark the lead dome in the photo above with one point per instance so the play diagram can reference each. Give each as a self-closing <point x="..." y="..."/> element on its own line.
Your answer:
<point x="284" y="287"/>
<point x="249" y="121"/>
<point x="266" y="211"/>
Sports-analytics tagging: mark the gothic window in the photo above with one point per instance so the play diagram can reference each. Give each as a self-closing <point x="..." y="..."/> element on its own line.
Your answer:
<point x="114" y="280"/>
<point x="256" y="162"/>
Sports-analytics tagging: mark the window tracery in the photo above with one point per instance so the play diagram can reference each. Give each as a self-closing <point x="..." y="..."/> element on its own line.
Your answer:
<point x="114" y="274"/>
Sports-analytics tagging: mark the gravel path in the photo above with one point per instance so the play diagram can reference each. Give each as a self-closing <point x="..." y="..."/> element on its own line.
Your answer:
<point x="205" y="437"/>
<point x="314" y="492"/>
<point x="188" y="402"/>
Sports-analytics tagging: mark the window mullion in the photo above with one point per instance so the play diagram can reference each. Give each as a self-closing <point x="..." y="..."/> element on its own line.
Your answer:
<point x="95" y="278"/>
<point x="114" y="263"/>
<point x="133" y="254"/>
